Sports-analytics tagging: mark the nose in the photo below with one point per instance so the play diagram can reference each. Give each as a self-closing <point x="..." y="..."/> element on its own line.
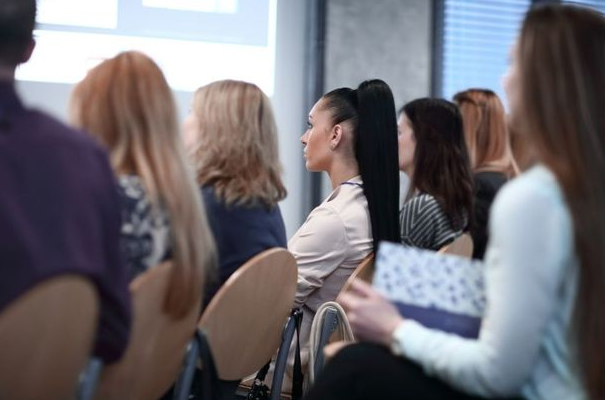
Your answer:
<point x="303" y="138"/>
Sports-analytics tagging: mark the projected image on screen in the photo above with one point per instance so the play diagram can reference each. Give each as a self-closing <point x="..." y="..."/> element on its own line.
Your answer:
<point x="193" y="41"/>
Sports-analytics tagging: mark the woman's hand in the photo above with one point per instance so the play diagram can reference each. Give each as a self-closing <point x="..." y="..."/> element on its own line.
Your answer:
<point x="372" y="317"/>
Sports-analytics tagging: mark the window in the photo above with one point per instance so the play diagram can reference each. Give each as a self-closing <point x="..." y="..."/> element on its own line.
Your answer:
<point x="596" y="4"/>
<point x="476" y="37"/>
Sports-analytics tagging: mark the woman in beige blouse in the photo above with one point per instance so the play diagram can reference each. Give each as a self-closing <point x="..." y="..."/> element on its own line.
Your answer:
<point x="351" y="135"/>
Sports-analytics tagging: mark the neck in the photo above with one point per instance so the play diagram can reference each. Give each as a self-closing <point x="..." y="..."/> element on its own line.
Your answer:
<point x="341" y="172"/>
<point x="7" y="74"/>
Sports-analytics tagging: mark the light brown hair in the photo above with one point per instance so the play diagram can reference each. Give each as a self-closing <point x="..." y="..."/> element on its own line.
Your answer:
<point x="561" y="59"/>
<point x="236" y="150"/>
<point x="485" y="131"/>
<point x="126" y="103"/>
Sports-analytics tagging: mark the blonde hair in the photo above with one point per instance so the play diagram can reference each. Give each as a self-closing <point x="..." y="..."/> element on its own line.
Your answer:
<point x="126" y="103"/>
<point x="486" y="132"/>
<point x="235" y="149"/>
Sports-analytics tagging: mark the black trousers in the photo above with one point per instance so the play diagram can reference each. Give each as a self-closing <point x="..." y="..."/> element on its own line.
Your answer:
<point x="366" y="371"/>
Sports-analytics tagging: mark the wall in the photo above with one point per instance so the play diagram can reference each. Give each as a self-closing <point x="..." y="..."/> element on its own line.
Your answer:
<point x="386" y="39"/>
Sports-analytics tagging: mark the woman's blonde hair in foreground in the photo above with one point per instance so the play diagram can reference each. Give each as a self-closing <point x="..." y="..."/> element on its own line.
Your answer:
<point x="486" y="132"/>
<point x="126" y="103"/>
<point x="235" y="149"/>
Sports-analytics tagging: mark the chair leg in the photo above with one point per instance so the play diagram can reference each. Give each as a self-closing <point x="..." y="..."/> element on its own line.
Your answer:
<point x="185" y="379"/>
<point x="89" y="380"/>
<point x="282" y="358"/>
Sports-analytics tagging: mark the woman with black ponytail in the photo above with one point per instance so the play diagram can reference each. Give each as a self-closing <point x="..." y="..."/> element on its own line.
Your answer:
<point x="351" y="135"/>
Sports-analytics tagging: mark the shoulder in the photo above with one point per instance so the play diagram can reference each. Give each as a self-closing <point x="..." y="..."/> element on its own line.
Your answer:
<point x="491" y="178"/>
<point x="58" y="146"/>
<point x="133" y="196"/>
<point x="536" y="188"/>
<point x="347" y="201"/>
<point x="534" y="199"/>
<point x="55" y="133"/>
<point x="422" y="203"/>
<point x="323" y="222"/>
<point x="489" y="182"/>
<point x="131" y="187"/>
<point x="211" y="201"/>
<point x="325" y="212"/>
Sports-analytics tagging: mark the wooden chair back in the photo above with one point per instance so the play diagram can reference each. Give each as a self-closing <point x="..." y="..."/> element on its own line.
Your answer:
<point x="364" y="271"/>
<point x="461" y="246"/>
<point x="46" y="337"/>
<point x="157" y="345"/>
<point x="245" y="319"/>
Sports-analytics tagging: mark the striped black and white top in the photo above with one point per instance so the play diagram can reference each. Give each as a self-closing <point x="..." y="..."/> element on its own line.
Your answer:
<point x="424" y="224"/>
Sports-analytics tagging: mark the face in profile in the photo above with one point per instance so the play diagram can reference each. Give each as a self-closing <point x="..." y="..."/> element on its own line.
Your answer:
<point x="316" y="139"/>
<point x="407" y="144"/>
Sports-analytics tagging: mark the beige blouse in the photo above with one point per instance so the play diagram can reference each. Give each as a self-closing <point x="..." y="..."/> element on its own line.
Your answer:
<point x="334" y="239"/>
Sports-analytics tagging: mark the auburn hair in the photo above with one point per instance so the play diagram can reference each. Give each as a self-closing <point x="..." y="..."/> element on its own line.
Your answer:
<point x="486" y="131"/>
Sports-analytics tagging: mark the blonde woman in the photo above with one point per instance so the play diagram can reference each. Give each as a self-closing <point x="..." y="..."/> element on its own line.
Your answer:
<point x="231" y="136"/>
<point x="126" y="103"/>
<point x="488" y="142"/>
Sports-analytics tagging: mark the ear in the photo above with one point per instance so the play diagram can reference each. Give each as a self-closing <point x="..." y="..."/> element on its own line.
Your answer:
<point x="336" y="136"/>
<point x="28" y="51"/>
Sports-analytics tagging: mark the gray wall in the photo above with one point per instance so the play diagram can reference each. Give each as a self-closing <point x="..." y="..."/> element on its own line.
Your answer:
<point x="386" y="39"/>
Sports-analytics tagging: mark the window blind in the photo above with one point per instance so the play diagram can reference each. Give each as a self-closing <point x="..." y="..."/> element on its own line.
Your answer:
<point x="598" y="5"/>
<point x="477" y="37"/>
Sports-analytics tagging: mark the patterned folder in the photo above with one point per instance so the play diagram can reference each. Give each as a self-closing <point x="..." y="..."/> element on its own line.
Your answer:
<point x="440" y="291"/>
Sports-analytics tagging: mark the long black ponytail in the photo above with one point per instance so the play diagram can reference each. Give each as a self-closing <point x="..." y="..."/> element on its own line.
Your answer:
<point x="371" y="109"/>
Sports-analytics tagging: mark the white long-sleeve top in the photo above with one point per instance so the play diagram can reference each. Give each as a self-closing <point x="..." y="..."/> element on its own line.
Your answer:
<point x="525" y="343"/>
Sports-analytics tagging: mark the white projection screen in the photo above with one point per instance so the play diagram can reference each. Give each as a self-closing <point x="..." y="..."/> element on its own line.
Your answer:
<point x="194" y="41"/>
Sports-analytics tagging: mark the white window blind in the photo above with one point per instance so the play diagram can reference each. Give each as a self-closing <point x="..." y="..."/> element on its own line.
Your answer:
<point x="596" y="4"/>
<point x="477" y="37"/>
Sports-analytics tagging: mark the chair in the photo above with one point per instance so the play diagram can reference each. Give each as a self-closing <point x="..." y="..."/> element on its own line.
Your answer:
<point x="244" y="321"/>
<point x="157" y="343"/>
<point x="330" y="323"/>
<point x="461" y="246"/>
<point x="46" y="337"/>
<point x="364" y="271"/>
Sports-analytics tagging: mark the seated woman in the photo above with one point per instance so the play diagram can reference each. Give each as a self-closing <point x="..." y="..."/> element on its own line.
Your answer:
<point x="488" y="143"/>
<point x="231" y="137"/>
<point x="126" y="103"/>
<point x="541" y="337"/>
<point x="433" y="154"/>
<point x="351" y="135"/>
